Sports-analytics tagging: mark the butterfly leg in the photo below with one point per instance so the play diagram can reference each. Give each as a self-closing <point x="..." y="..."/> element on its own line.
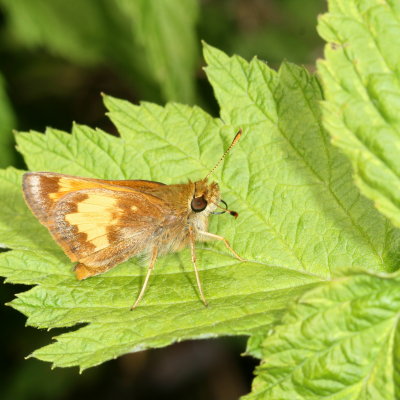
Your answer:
<point x="193" y="251"/>
<point x="146" y="280"/>
<point x="217" y="237"/>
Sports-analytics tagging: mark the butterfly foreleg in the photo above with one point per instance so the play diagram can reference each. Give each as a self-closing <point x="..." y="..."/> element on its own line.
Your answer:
<point x="207" y="235"/>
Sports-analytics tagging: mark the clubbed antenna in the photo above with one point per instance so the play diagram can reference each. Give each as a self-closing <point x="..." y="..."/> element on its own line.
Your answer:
<point x="234" y="141"/>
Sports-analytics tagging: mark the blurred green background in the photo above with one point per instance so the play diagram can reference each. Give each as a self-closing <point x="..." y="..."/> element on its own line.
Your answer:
<point x="56" y="57"/>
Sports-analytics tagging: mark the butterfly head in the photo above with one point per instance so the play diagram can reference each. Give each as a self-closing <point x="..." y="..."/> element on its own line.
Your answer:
<point x="206" y="197"/>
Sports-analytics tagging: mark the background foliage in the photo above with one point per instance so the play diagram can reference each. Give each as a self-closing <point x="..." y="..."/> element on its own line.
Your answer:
<point x="302" y="219"/>
<point x="56" y="57"/>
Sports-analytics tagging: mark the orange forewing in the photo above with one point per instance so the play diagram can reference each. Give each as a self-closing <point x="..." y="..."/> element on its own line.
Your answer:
<point x="97" y="222"/>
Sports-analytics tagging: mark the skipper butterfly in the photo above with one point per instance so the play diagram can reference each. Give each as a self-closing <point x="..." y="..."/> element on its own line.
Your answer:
<point x="101" y="223"/>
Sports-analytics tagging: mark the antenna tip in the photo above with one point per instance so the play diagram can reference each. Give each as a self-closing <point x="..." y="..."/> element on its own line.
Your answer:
<point x="237" y="137"/>
<point x="234" y="214"/>
<point x="235" y="140"/>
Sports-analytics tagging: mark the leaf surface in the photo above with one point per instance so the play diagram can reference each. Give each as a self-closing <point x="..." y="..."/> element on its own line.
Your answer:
<point x="339" y="341"/>
<point x="300" y="217"/>
<point x="361" y="79"/>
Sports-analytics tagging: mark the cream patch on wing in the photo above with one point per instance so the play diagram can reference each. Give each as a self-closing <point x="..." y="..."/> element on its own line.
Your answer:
<point x="70" y="184"/>
<point x="67" y="184"/>
<point x="93" y="217"/>
<point x="95" y="202"/>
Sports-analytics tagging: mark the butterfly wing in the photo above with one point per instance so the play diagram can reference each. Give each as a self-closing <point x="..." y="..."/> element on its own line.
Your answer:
<point x="96" y="222"/>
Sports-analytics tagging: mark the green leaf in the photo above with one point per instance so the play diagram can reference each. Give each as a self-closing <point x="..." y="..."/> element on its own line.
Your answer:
<point x="301" y="186"/>
<point x="7" y="123"/>
<point x="300" y="217"/>
<point x="166" y="32"/>
<point x="361" y="81"/>
<point x="339" y="341"/>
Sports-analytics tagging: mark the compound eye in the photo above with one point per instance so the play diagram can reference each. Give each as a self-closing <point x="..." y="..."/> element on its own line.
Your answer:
<point x="198" y="204"/>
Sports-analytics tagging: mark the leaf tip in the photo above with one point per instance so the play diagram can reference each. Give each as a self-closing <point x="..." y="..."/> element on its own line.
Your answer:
<point x="211" y="52"/>
<point x="204" y="44"/>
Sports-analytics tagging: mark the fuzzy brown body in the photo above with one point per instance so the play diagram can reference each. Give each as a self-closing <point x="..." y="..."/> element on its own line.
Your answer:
<point x="101" y="223"/>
